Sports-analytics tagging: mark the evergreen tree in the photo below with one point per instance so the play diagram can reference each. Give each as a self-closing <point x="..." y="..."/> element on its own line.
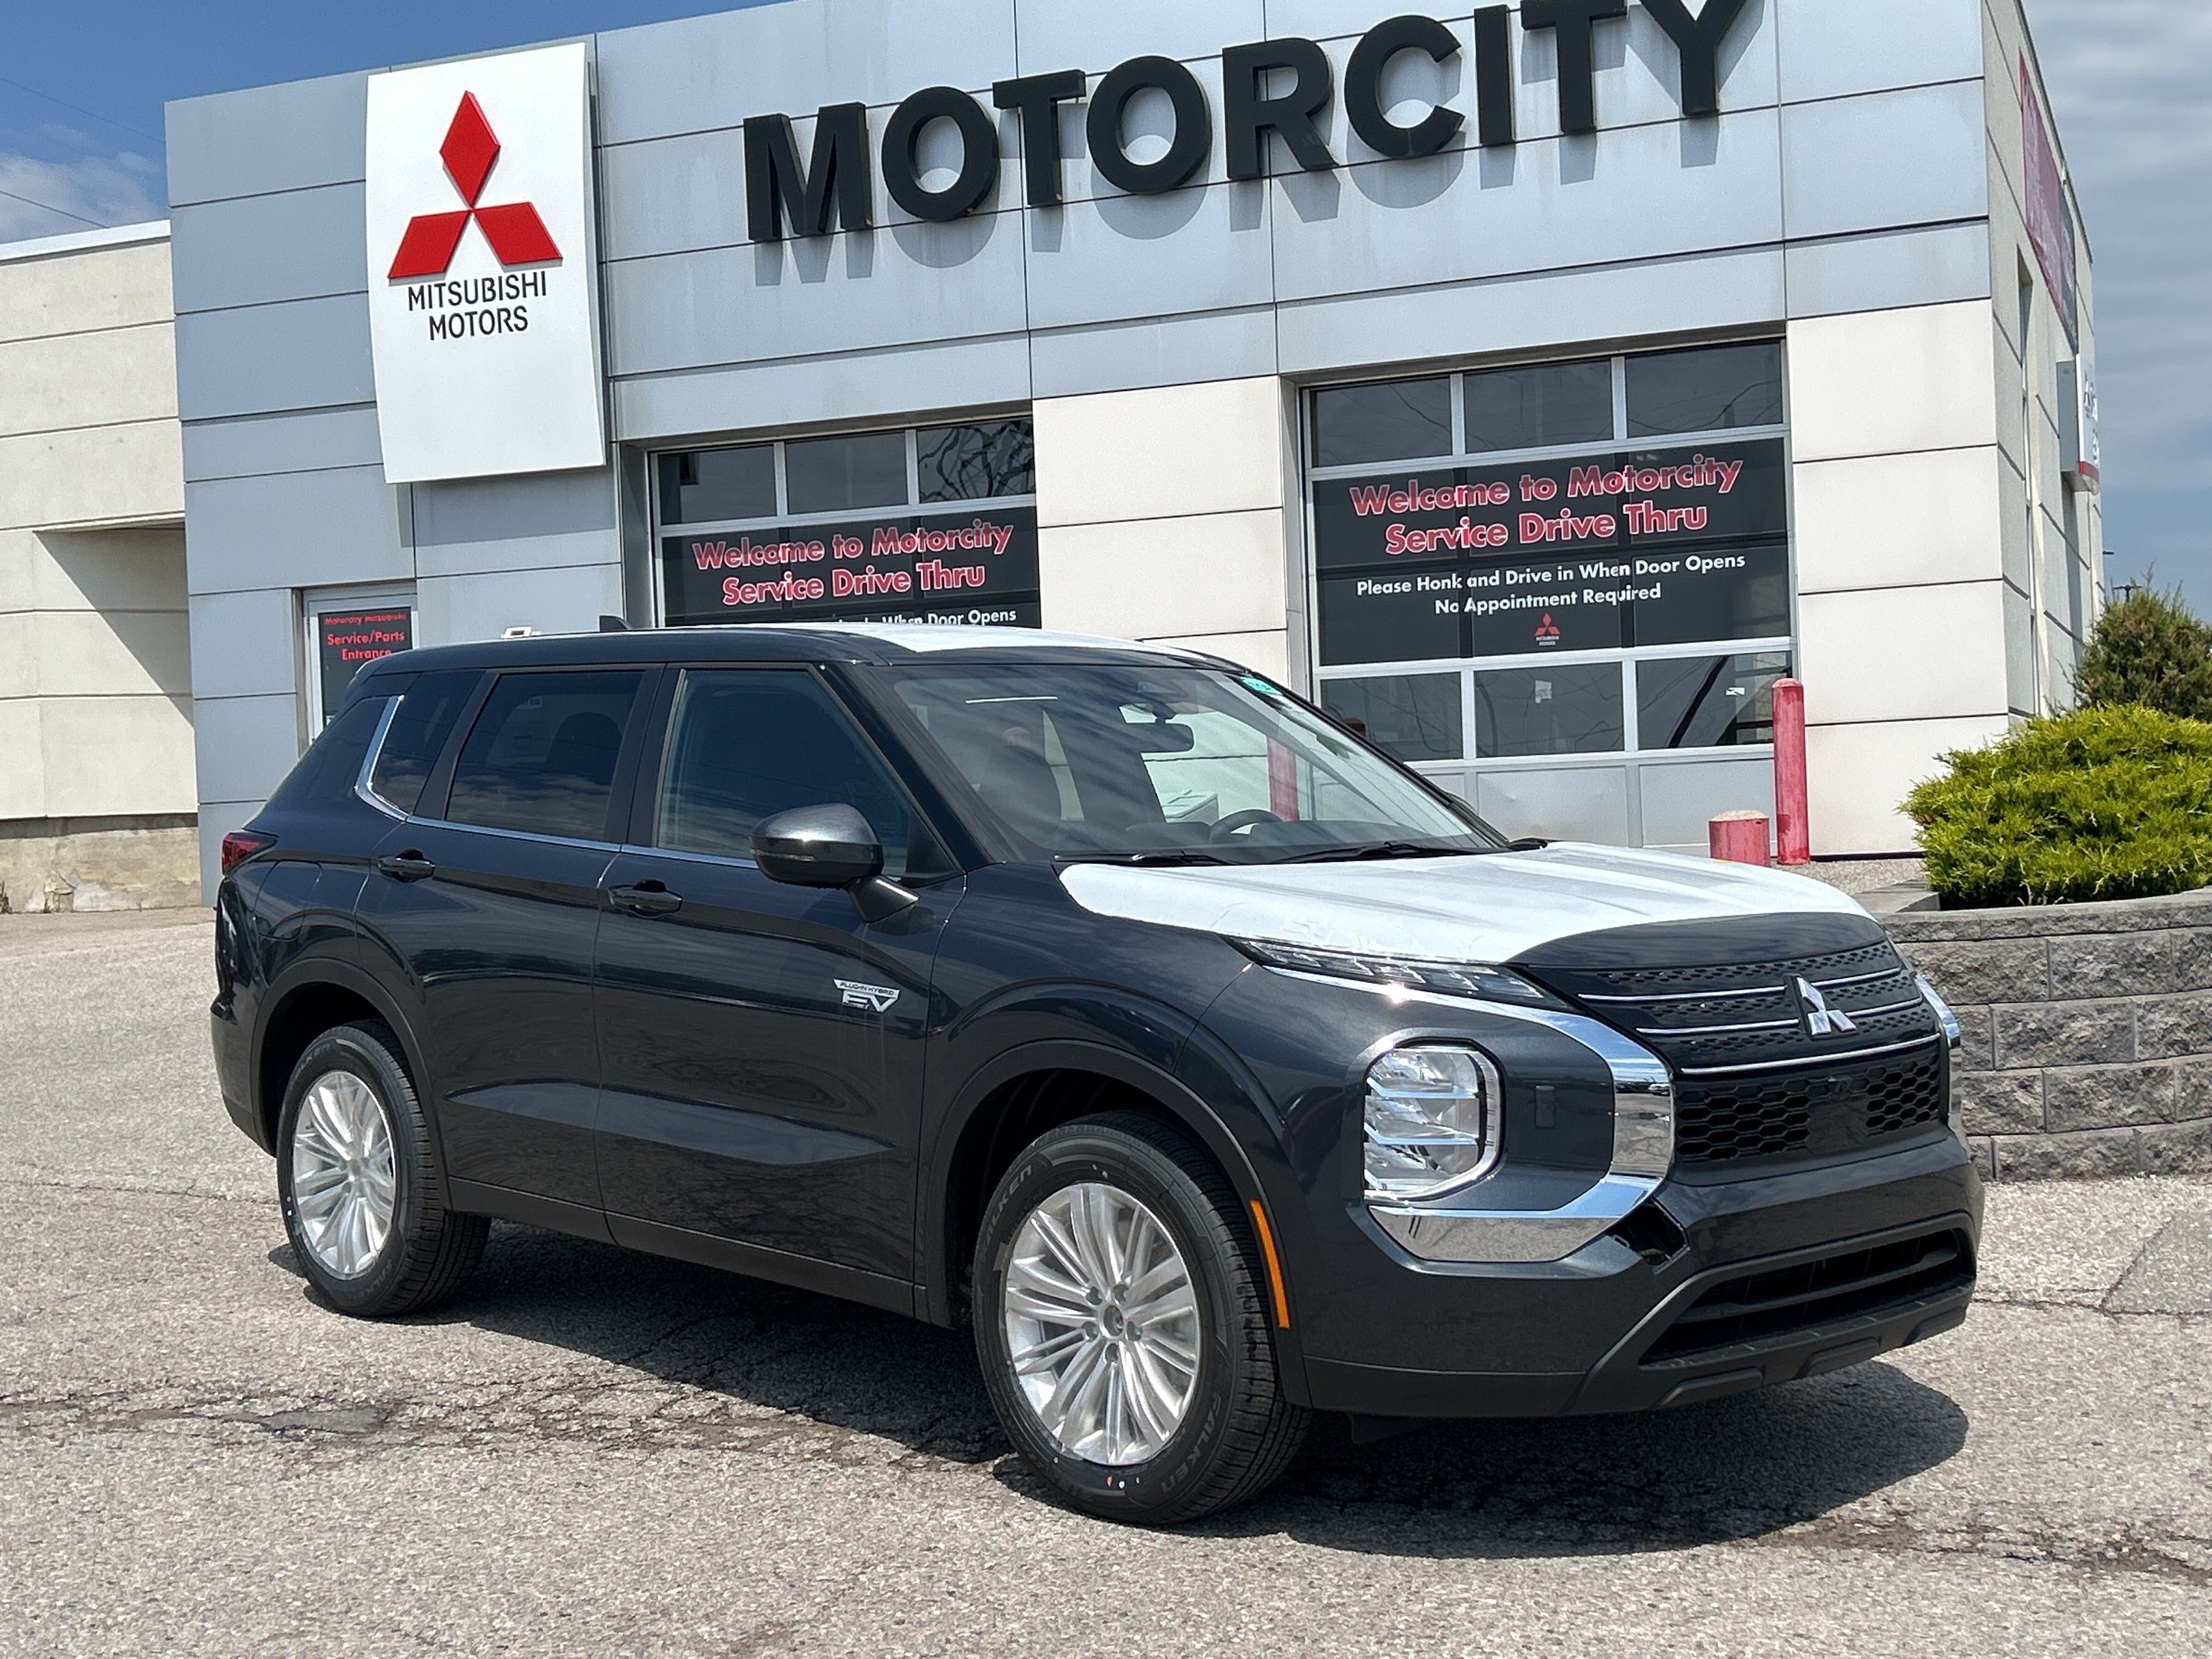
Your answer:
<point x="2148" y="649"/>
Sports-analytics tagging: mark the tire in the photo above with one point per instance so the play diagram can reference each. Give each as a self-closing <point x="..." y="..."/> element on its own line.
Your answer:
<point x="1236" y="1432"/>
<point x="353" y="1129"/>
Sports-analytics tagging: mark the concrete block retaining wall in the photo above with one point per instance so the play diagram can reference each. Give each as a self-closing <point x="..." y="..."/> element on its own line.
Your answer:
<point x="2088" y="1032"/>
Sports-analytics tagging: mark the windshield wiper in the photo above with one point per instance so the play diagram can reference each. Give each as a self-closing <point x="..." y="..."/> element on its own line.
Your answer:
<point x="1383" y="849"/>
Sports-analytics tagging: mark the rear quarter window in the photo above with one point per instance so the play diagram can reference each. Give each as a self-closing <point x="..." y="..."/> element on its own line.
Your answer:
<point x="332" y="766"/>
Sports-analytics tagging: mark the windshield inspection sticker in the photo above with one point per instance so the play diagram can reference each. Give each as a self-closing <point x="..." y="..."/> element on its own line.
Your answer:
<point x="876" y="999"/>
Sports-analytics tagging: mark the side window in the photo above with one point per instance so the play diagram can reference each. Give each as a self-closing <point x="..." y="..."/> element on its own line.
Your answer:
<point x="541" y="757"/>
<point x="426" y="719"/>
<point x="747" y="744"/>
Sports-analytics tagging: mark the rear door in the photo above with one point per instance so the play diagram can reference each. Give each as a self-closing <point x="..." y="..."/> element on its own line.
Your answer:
<point x="763" y="1045"/>
<point x="484" y="903"/>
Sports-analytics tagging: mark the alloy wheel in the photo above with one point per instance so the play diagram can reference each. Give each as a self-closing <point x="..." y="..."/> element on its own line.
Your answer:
<point x="1102" y="1325"/>
<point x="344" y="1187"/>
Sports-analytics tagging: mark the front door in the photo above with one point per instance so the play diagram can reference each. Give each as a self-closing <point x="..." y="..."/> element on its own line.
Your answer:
<point x="484" y="908"/>
<point x="761" y="1045"/>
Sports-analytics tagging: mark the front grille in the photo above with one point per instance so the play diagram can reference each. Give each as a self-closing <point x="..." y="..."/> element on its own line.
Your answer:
<point x="1809" y="1112"/>
<point x="1753" y="1079"/>
<point x="1763" y="1307"/>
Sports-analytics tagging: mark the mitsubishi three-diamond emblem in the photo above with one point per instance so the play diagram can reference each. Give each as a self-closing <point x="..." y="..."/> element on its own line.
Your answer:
<point x="517" y="235"/>
<point x="1821" y="1020"/>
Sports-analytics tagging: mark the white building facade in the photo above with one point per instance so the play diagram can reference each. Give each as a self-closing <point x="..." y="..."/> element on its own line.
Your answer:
<point x="98" y="806"/>
<point x="1535" y="385"/>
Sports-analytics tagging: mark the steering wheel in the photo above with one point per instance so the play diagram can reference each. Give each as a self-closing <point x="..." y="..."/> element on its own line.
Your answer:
<point x="1245" y="820"/>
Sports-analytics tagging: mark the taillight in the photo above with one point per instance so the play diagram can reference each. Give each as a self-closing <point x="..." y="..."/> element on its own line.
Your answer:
<point x="241" y="845"/>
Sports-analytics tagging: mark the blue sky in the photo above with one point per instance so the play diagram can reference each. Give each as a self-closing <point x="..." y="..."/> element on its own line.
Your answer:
<point x="82" y="88"/>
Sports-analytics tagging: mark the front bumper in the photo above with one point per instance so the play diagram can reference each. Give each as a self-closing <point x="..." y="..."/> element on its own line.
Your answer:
<point x="1431" y="1340"/>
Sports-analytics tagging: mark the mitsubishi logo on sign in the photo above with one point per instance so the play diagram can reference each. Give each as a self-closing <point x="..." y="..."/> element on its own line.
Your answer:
<point x="483" y="304"/>
<point x="517" y="235"/>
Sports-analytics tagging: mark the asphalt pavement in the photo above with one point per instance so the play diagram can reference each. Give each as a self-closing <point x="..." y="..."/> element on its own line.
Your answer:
<point x="593" y="1453"/>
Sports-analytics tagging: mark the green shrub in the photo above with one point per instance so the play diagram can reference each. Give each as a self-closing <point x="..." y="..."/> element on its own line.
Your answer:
<point x="2147" y="648"/>
<point x="2099" y="804"/>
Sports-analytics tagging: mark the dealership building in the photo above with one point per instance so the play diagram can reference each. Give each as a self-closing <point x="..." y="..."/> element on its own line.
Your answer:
<point x="1536" y="384"/>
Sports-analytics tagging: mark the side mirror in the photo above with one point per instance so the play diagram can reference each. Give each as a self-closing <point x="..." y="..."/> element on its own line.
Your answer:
<point x="828" y="846"/>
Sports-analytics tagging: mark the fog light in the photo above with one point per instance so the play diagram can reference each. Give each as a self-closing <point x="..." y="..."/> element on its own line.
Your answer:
<point x="1431" y="1121"/>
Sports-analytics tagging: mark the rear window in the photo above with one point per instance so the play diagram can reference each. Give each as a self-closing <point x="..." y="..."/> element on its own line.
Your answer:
<point x="541" y="757"/>
<point x="426" y="716"/>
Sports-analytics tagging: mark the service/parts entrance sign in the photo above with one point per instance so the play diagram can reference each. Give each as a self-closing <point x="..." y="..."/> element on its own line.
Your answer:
<point x="976" y="567"/>
<point x="483" y="280"/>
<point x="347" y="641"/>
<point x="1649" y="547"/>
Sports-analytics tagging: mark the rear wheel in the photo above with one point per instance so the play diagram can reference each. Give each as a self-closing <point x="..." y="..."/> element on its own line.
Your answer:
<point x="1121" y="1322"/>
<point x="356" y="1175"/>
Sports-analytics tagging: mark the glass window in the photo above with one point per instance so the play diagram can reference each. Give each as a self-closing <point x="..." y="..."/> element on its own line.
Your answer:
<point x="1539" y="407"/>
<point x="332" y="766"/>
<point x="426" y="718"/>
<point x="1707" y="702"/>
<point x="1415" y="717"/>
<point x="1714" y="389"/>
<point x="541" y="755"/>
<point x="1401" y="420"/>
<point x="1563" y="708"/>
<point x="977" y="462"/>
<point x="1176" y="765"/>
<point x="708" y="485"/>
<point x="750" y="743"/>
<point x="836" y="475"/>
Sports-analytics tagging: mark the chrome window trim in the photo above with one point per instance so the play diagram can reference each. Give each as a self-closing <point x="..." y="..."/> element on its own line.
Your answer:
<point x="1643" y="1150"/>
<point x="516" y="835"/>
<point x="360" y="785"/>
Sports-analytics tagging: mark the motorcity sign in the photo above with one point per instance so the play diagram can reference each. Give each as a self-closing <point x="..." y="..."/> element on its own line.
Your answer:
<point x="1280" y="86"/>
<point x="483" y="282"/>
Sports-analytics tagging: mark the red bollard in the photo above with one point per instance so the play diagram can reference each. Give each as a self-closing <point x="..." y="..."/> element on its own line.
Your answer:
<point x="1792" y="819"/>
<point x="1739" y="838"/>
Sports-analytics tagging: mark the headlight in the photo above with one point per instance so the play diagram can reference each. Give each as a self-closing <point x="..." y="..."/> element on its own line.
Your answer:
<point x="1432" y="1120"/>
<point x="1456" y="979"/>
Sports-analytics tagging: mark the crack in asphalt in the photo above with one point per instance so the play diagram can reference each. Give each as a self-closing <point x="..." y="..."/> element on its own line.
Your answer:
<point x="1570" y="1507"/>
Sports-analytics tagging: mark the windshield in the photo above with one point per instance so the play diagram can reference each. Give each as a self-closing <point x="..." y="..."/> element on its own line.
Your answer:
<point x="1174" y="765"/>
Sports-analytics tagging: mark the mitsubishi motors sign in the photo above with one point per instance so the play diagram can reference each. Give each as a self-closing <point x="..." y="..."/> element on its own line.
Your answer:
<point x="483" y="291"/>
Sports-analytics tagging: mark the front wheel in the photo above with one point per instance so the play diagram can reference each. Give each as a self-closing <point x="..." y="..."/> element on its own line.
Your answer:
<point x="1121" y="1321"/>
<point x="357" y="1176"/>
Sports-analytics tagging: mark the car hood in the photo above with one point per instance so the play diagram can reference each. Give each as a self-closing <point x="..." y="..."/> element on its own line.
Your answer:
<point x="1490" y="908"/>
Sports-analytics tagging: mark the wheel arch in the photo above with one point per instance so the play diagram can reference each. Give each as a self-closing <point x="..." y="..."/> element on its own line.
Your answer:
<point x="1024" y="1093"/>
<point x="313" y="997"/>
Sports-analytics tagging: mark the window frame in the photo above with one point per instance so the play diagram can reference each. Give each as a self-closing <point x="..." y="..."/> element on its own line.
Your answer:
<point x="1471" y="761"/>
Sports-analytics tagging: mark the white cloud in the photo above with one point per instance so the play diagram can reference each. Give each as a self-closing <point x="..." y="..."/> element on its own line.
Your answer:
<point x="2129" y="81"/>
<point x="105" y="190"/>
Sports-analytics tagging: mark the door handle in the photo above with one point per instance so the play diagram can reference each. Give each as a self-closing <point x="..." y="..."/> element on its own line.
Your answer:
<point x="410" y="865"/>
<point x="647" y="898"/>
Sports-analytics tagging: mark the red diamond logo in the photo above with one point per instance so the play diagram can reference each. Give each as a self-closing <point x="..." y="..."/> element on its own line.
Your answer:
<point x="515" y="232"/>
<point x="470" y="148"/>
